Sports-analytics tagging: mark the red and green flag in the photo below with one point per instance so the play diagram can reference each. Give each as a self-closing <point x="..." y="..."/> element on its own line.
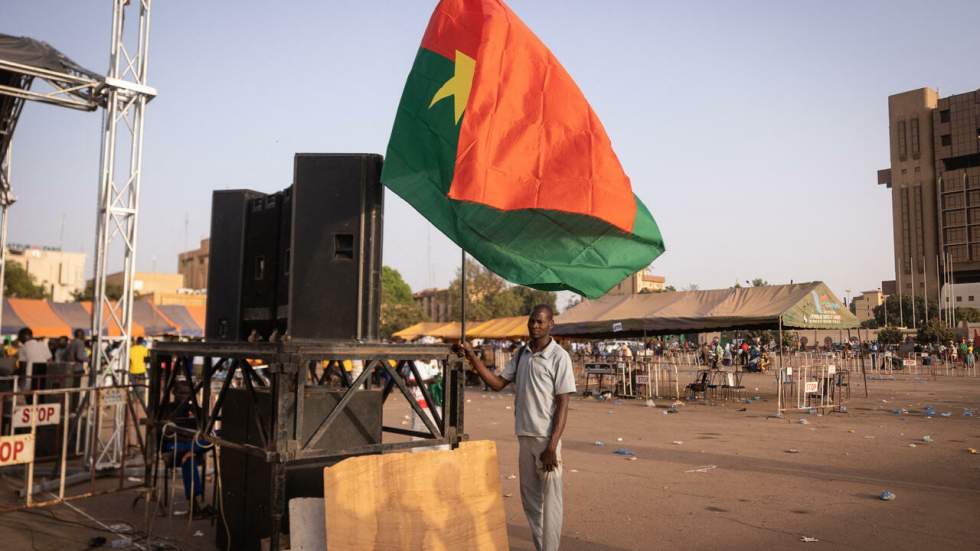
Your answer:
<point x="495" y="144"/>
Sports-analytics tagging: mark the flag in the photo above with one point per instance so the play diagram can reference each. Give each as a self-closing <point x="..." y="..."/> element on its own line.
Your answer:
<point x="495" y="144"/>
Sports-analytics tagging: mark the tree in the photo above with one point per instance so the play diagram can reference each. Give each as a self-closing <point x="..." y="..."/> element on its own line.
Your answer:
<point x="965" y="313"/>
<point x="398" y="308"/>
<point x="18" y="283"/>
<point x="670" y="289"/>
<point x="113" y="292"/>
<point x="896" y="315"/>
<point x="393" y="287"/>
<point x="934" y="332"/>
<point x="890" y="335"/>
<point x="488" y="296"/>
<point x="759" y="282"/>
<point x="692" y="287"/>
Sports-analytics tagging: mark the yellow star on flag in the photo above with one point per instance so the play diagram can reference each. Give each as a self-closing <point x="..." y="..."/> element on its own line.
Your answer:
<point x="458" y="86"/>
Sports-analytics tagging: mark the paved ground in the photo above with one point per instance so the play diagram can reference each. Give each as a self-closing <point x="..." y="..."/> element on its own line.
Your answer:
<point x="708" y="477"/>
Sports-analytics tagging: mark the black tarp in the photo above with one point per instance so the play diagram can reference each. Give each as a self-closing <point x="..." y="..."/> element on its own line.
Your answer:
<point x="35" y="53"/>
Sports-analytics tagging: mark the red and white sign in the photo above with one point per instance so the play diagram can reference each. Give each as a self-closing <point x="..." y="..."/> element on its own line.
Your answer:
<point x="47" y="414"/>
<point x="811" y="386"/>
<point x="16" y="449"/>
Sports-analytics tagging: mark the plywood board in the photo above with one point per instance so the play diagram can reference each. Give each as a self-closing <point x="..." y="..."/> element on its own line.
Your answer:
<point x="433" y="500"/>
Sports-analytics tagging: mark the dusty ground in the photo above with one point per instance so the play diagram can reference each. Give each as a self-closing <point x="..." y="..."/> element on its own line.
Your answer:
<point x="708" y="477"/>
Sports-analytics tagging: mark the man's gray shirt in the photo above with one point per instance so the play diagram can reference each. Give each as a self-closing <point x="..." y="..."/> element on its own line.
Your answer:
<point x="538" y="378"/>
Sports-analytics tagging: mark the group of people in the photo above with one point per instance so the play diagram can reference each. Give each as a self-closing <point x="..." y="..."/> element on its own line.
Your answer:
<point x="21" y="354"/>
<point x="749" y="355"/>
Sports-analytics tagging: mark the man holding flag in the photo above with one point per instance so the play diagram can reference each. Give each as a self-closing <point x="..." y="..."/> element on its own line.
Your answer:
<point x="542" y="375"/>
<point x="495" y="144"/>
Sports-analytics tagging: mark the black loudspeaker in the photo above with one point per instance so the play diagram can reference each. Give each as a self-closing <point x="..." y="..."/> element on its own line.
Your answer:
<point x="224" y="313"/>
<point x="335" y="273"/>
<point x="261" y="263"/>
<point x="246" y="479"/>
<point x="305" y="261"/>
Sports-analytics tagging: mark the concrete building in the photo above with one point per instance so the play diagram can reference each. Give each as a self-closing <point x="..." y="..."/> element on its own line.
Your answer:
<point x="148" y="283"/>
<point x="434" y="303"/>
<point x="964" y="295"/>
<point x="864" y="305"/>
<point x="934" y="179"/>
<point x="193" y="265"/>
<point x="640" y="282"/>
<point x="61" y="273"/>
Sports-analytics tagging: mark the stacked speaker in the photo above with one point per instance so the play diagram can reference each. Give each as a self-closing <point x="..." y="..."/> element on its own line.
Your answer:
<point x="304" y="262"/>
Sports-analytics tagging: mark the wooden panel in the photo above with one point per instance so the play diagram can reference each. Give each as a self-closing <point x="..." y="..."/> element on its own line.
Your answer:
<point x="433" y="500"/>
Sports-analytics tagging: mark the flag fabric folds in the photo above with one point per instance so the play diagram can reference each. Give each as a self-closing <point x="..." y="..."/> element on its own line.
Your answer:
<point x="495" y="144"/>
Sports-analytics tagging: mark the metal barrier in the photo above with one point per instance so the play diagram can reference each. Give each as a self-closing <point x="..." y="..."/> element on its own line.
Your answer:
<point x="656" y="379"/>
<point x="70" y="429"/>
<point x="811" y="387"/>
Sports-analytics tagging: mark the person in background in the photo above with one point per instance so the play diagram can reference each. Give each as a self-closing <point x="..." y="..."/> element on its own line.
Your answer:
<point x="76" y="351"/>
<point x="60" y="349"/>
<point x="138" y="355"/>
<point x="188" y="453"/>
<point x="31" y="351"/>
<point x="9" y="348"/>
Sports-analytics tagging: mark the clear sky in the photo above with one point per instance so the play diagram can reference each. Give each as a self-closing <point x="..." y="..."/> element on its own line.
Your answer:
<point x="752" y="130"/>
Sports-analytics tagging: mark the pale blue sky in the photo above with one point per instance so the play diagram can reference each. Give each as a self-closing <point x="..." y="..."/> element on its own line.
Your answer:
<point x="752" y="130"/>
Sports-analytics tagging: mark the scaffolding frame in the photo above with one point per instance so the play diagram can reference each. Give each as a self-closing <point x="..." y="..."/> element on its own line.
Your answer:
<point x="123" y="94"/>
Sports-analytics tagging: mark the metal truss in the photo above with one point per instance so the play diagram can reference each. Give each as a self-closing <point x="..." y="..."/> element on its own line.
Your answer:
<point x="75" y="91"/>
<point x="125" y="94"/>
<point x="291" y="370"/>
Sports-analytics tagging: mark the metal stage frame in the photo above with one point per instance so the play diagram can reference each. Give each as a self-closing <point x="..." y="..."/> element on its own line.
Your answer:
<point x="291" y="366"/>
<point x="123" y="94"/>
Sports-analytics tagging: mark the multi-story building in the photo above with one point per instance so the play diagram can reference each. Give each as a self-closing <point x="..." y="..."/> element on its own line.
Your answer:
<point x="864" y="305"/>
<point x="434" y="303"/>
<point x="193" y="265"/>
<point x="640" y="282"/>
<point x="148" y="283"/>
<point x="61" y="273"/>
<point x="934" y="179"/>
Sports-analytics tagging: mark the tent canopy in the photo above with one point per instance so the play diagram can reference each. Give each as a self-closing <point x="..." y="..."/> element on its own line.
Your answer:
<point x="799" y="306"/>
<point x="500" y="328"/>
<point x="421" y="329"/>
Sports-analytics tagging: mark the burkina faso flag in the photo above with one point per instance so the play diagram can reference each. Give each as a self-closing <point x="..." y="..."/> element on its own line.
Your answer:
<point x="496" y="145"/>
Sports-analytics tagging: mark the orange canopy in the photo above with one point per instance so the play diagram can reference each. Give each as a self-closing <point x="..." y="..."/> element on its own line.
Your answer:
<point x="39" y="316"/>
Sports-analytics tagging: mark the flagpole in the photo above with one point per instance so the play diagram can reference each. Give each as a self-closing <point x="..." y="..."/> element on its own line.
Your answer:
<point x="912" y="265"/>
<point x="462" y="296"/>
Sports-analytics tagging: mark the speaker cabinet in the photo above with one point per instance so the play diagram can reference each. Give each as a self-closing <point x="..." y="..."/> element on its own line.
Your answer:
<point x="246" y="479"/>
<point x="335" y="275"/>
<point x="305" y="261"/>
<point x="223" y="320"/>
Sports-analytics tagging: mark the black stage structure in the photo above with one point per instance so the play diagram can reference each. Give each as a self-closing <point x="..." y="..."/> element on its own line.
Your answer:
<point x="286" y="436"/>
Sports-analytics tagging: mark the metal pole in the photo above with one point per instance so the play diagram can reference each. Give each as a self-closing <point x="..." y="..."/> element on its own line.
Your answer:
<point x="901" y="313"/>
<point x="462" y="296"/>
<point x="952" y="290"/>
<point x="925" y="289"/>
<point x="939" y="289"/>
<point x="3" y="256"/>
<point x="6" y="199"/>
<point x="912" y="266"/>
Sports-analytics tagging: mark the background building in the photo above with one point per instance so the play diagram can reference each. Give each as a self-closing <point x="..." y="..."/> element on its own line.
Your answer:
<point x="864" y="305"/>
<point x="193" y="265"/>
<point x="434" y="303"/>
<point x="158" y="288"/>
<point x="640" y="282"/>
<point x="61" y="273"/>
<point x="934" y="179"/>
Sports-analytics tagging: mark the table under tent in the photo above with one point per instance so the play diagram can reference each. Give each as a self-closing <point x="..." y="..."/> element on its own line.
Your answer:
<point x="804" y="381"/>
